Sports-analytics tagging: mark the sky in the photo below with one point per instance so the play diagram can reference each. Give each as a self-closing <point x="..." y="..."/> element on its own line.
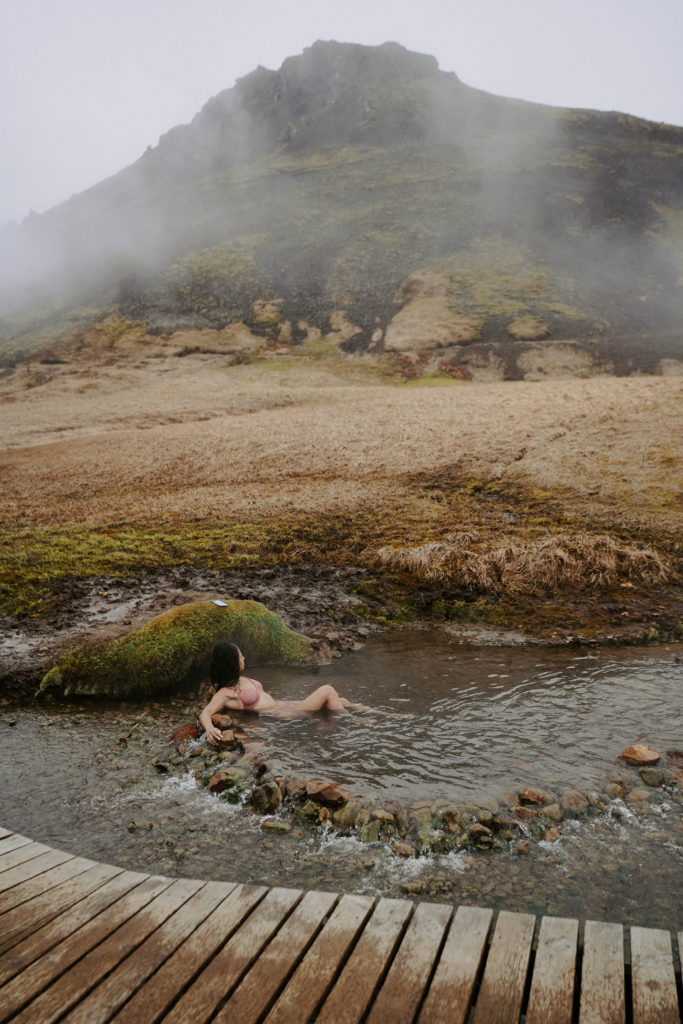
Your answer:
<point x="87" y="85"/>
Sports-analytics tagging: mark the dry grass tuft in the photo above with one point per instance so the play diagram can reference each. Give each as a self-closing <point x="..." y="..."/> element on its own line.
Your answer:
<point x="560" y="562"/>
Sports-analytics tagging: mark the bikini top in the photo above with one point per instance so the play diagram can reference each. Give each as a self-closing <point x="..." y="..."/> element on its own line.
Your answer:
<point x="251" y="699"/>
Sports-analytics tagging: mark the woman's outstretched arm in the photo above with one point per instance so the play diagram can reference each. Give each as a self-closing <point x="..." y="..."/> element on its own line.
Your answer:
<point x="216" y="704"/>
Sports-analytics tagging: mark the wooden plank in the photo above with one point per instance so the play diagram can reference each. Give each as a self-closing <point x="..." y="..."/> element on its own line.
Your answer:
<point x="551" y="1000"/>
<point x="655" y="1000"/>
<point x="602" y="975"/>
<point x="79" y="979"/>
<point x="29" y="869"/>
<point x="32" y="887"/>
<point x="17" y="924"/>
<point x="4" y="833"/>
<point x="400" y="995"/>
<point x="13" y="842"/>
<point x="263" y="981"/>
<point x="502" y="986"/>
<point x="316" y="972"/>
<point x="42" y="957"/>
<point x="348" y="1001"/>
<point x="450" y="994"/>
<point x="20" y="854"/>
<point x="111" y="994"/>
<point x="156" y="997"/>
<point x="222" y="973"/>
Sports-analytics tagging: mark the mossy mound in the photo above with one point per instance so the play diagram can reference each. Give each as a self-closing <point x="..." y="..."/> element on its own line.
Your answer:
<point x="172" y="652"/>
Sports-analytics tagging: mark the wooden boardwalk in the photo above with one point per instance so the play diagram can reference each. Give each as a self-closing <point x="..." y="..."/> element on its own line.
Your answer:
<point x="87" y="942"/>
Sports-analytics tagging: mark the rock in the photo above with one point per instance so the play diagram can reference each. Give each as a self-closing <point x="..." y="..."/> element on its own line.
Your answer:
<point x="382" y="815"/>
<point x="531" y="796"/>
<point x="651" y="776"/>
<point x="525" y="813"/>
<point x="345" y="817"/>
<point x="173" y="651"/>
<point x="184" y="733"/>
<point x="326" y="792"/>
<point x="673" y="778"/>
<point x="222" y="721"/>
<point x="309" y="812"/>
<point x="551" y="835"/>
<point x="275" y="825"/>
<point x="573" y="803"/>
<point x="639" y="754"/>
<point x="402" y="849"/>
<point x="266" y="797"/>
<point x="414" y="888"/>
<point x="451" y="819"/>
<point x="553" y="812"/>
<point x="370" y="832"/>
<point x="614" y="791"/>
<point x="638" y="795"/>
<point x="675" y="758"/>
<point x="484" y="816"/>
<point x="522" y="847"/>
<point x="226" y="778"/>
<point x="295" y="787"/>
<point x="480" y="834"/>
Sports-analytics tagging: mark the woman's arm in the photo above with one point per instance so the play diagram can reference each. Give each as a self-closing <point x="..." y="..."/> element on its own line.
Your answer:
<point x="216" y="704"/>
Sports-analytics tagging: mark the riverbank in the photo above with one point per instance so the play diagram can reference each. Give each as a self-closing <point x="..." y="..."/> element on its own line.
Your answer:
<point x="344" y="499"/>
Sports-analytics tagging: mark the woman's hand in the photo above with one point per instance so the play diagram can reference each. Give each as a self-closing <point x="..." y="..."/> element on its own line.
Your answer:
<point x="213" y="734"/>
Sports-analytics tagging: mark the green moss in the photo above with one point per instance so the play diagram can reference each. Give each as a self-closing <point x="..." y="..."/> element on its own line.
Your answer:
<point x="173" y="651"/>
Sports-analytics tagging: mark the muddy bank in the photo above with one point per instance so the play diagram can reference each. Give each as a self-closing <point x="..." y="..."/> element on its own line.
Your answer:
<point x="336" y="607"/>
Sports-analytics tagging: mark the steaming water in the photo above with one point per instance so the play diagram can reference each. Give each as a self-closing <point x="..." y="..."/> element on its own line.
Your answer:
<point x="483" y="722"/>
<point x="492" y="719"/>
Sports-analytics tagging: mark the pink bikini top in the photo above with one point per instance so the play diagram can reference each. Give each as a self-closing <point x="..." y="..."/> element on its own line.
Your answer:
<point x="251" y="699"/>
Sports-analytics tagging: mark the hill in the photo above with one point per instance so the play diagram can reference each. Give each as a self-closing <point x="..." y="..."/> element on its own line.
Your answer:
<point x="362" y="197"/>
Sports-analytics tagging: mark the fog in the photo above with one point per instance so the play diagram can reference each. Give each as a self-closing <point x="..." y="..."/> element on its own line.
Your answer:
<point x="87" y="87"/>
<point x="329" y="181"/>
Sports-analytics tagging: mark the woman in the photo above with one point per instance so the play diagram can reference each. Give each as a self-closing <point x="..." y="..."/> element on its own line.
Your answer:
<point x="239" y="693"/>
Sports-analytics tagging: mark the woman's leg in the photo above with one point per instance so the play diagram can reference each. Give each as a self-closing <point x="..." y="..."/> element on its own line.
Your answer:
<point x="324" y="697"/>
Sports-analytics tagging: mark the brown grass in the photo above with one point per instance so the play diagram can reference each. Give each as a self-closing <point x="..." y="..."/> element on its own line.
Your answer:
<point x="557" y="563"/>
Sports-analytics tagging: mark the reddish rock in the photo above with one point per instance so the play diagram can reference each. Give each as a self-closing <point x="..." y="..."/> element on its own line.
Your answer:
<point x="451" y="820"/>
<point x="482" y="835"/>
<point x="530" y="796"/>
<point x="675" y="758"/>
<point x="222" y="721"/>
<point x="295" y="787"/>
<point x="326" y="792"/>
<point x="525" y="813"/>
<point x="184" y="733"/>
<point x="639" y="754"/>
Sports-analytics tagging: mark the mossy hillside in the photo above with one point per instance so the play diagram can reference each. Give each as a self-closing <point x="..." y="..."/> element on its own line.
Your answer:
<point x="172" y="652"/>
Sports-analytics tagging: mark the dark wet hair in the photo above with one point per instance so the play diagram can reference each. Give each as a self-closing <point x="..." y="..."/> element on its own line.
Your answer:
<point x="225" y="665"/>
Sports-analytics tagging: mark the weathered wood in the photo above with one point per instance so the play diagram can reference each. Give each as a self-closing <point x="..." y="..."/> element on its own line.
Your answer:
<point x="12" y="842"/>
<point x="655" y="1000"/>
<point x="316" y="972"/>
<point x="266" y="977"/>
<point x="4" y="833"/>
<point x="107" y="997"/>
<point x="73" y="985"/>
<point x="32" y="887"/>
<point x="350" y="997"/>
<point x="38" y="943"/>
<point x="221" y="974"/>
<point x="29" y="869"/>
<point x="450" y="994"/>
<point x="551" y="1000"/>
<point x="18" y="923"/>
<point x="164" y="987"/>
<point x="400" y="995"/>
<point x="41" y="960"/>
<point x="20" y="854"/>
<point x="602" y="975"/>
<point x="502" y="986"/>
